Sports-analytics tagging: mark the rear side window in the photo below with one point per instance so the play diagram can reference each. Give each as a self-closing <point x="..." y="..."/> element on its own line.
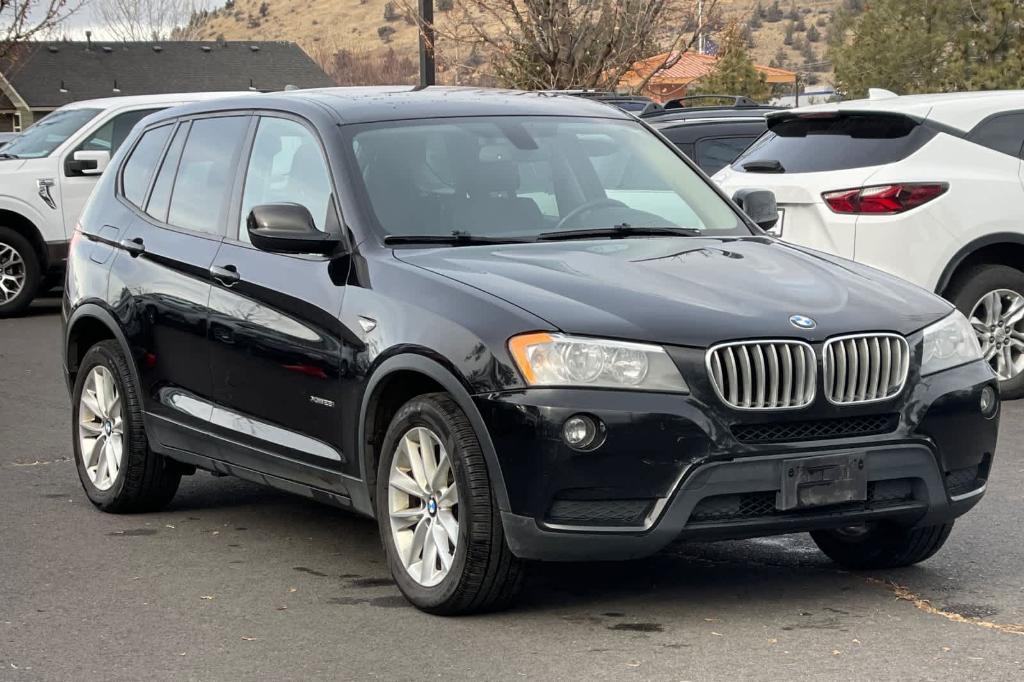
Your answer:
<point x="111" y="135"/>
<point x="1003" y="133"/>
<point x="138" y="169"/>
<point x="715" y="153"/>
<point x="833" y="142"/>
<point x="206" y="174"/>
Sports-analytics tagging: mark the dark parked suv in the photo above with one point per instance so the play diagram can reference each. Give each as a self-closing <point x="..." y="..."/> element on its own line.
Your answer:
<point x="509" y="327"/>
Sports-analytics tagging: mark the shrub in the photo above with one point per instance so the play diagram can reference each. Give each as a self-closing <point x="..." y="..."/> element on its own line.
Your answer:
<point x="385" y="33"/>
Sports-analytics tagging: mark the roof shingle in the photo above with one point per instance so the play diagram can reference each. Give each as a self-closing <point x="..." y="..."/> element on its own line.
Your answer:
<point x="90" y="70"/>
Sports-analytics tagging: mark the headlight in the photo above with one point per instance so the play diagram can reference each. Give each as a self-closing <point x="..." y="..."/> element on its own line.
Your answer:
<point x="948" y="343"/>
<point x="556" y="360"/>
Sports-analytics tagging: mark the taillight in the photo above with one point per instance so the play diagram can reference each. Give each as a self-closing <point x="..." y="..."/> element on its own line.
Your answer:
<point x="884" y="199"/>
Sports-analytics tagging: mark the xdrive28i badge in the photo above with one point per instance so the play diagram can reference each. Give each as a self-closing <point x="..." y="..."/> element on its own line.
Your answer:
<point x="802" y="322"/>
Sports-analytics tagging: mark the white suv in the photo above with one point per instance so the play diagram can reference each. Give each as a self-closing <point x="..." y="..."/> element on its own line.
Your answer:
<point x="927" y="187"/>
<point x="47" y="173"/>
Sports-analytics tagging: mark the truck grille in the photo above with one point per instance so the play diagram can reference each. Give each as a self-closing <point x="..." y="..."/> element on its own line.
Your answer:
<point x="763" y="375"/>
<point x="865" y="368"/>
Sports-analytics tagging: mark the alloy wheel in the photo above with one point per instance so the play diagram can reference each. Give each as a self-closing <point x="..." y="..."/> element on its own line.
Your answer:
<point x="101" y="427"/>
<point x="423" y="506"/>
<point x="12" y="273"/>
<point x="998" y="320"/>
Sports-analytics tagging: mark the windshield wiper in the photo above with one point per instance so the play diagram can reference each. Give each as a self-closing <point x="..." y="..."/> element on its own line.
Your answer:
<point x="454" y="239"/>
<point x="619" y="232"/>
<point x="764" y="166"/>
<point x="5" y="155"/>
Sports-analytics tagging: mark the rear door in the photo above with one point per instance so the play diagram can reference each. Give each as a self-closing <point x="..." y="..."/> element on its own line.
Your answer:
<point x="278" y="365"/>
<point x="161" y="279"/>
<point x="805" y="155"/>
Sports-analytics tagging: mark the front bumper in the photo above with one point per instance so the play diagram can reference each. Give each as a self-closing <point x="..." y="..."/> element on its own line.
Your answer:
<point x="676" y="467"/>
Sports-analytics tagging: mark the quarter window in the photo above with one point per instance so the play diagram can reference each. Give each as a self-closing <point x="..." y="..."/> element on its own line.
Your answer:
<point x="138" y="169"/>
<point x="160" y="197"/>
<point x="286" y="166"/>
<point x="715" y="153"/>
<point x="1003" y="133"/>
<point x="206" y="173"/>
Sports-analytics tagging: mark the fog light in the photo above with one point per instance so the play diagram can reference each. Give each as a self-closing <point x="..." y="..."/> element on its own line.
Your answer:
<point x="582" y="432"/>
<point x="989" y="401"/>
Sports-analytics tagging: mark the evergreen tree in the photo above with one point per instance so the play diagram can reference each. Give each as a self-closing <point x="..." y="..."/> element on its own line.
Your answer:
<point x="734" y="72"/>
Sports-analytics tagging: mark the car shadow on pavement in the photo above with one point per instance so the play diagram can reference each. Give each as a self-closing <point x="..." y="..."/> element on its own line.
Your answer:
<point x="785" y="572"/>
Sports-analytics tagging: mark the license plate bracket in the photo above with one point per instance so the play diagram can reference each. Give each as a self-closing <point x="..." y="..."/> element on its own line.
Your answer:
<point x="821" y="481"/>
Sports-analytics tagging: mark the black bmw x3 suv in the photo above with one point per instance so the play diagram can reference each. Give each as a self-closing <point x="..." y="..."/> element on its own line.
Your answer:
<point x="509" y="326"/>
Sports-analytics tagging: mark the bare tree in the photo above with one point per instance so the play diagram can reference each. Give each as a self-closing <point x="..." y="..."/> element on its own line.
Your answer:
<point x="149" y="19"/>
<point x="553" y="44"/>
<point x="25" y="20"/>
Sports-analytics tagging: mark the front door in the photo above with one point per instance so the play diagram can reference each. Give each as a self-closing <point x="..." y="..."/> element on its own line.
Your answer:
<point x="277" y="362"/>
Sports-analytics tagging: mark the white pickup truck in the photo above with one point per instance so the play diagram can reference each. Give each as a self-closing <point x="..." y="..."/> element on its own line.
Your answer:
<point x="46" y="175"/>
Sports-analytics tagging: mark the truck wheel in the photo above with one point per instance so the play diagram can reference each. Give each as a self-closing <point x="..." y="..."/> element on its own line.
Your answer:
<point x="438" y="517"/>
<point x="881" y="545"/>
<point x="992" y="298"/>
<point x="19" y="272"/>
<point x="118" y="470"/>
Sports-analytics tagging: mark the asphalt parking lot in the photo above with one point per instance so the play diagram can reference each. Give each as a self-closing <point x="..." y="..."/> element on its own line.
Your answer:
<point x="234" y="581"/>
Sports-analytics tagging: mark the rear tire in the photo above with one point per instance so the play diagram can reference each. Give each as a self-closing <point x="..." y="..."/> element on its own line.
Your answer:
<point x="881" y="545"/>
<point x="144" y="480"/>
<point x="969" y="294"/>
<point x="20" y="273"/>
<point x="483" y="574"/>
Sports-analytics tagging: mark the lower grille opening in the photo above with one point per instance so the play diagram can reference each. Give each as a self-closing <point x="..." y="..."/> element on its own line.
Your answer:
<point x="818" y="429"/>
<point x="960" y="481"/>
<point x="745" y="506"/>
<point x="599" y="512"/>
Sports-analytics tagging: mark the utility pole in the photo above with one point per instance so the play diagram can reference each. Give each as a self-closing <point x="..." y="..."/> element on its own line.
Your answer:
<point x="700" y="26"/>
<point x="796" y="89"/>
<point x="428" y="68"/>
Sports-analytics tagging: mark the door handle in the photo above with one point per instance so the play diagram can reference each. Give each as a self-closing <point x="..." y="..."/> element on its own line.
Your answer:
<point x="135" y="247"/>
<point x="226" y="274"/>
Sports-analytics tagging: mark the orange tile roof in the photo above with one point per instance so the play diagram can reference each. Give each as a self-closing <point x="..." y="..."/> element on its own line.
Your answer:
<point x="690" y="67"/>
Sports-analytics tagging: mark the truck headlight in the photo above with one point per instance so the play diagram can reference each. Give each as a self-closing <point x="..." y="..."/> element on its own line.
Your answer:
<point x="948" y="343"/>
<point x="557" y="360"/>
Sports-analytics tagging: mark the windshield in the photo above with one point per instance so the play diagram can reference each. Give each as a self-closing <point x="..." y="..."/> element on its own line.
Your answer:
<point x="43" y="137"/>
<point x="520" y="177"/>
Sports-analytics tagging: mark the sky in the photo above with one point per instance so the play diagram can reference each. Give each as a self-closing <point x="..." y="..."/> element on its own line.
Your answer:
<point x="87" y="18"/>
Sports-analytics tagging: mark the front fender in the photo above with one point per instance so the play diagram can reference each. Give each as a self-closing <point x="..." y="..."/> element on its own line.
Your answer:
<point x="451" y="384"/>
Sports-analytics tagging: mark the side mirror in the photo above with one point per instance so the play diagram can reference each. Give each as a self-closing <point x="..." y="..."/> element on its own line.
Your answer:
<point x="287" y="228"/>
<point x="760" y="206"/>
<point x="88" y="162"/>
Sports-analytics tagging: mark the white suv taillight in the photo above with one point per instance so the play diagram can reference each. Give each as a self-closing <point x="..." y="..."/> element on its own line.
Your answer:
<point x="884" y="199"/>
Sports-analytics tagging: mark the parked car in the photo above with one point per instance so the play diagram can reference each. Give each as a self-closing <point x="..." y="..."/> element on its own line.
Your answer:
<point x="6" y="137"/>
<point x="927" y="187"/>
<point x="46" y="175"/>
<point x="638" y="105"/>
<point x="710" y="134"/>
<point x="508" y="326"/>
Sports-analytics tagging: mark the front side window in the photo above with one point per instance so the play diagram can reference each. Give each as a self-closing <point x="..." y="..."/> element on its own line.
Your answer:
<point x="206" y="173"/>
<point x="286" y="166"/>
<point x="49" y="133"/>
<point x="138" y="169"/>
<point x="522" y="176"/>
<point x="111" y="135"/>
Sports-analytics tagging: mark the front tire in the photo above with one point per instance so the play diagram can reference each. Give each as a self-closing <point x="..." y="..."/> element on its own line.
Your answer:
<point x="881" y="545"/>
<point x="118" y="471"/>
<point x="438" y="517"/>
<point x="20" y="273"/>
<point x="992" y="298"/>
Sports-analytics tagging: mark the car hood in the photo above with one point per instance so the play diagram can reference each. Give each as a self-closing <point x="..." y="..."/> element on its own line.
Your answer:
<point x="687" y="291"/>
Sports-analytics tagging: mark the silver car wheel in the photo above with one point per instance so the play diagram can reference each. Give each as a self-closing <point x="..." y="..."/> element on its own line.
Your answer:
<point x="423" y="506"/>
<point x="998" y="320"/>
<point x="12" y="273"/>
<point x="101" y="427"/>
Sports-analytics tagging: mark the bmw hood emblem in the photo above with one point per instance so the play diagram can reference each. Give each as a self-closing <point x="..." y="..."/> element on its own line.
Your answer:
<point x="802" y="322"/>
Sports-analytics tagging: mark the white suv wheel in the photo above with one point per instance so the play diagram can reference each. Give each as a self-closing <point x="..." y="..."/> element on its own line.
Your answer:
<point x="13" y="273"/>
<point x="998" y="320"/>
